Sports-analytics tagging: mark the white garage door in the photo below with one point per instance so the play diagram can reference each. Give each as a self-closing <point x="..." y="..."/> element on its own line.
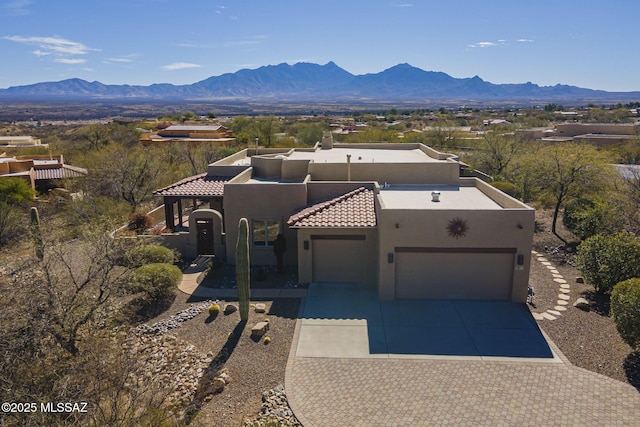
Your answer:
<point x="339" y="259"/>
<point x="454" y="275"/>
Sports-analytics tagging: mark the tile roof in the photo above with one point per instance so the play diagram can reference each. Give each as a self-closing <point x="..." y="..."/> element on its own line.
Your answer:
<point x="353" y="209"/>
<point x="66" y="171"/>
<point x="202" y="185"/>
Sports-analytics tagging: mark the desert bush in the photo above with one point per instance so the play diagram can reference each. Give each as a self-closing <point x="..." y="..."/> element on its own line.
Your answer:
<point x="15" y="191"/>
<point x="140" y="221"/>
<point x="588" y="217"/>
<point x="625" y="309"/>
<point x="607" y="260"/>
<point x="149" y="254"/>
<point x="155" y="280"/>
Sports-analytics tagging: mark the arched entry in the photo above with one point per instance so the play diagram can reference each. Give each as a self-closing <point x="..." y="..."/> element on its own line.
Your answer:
<point x="205" y="232"/>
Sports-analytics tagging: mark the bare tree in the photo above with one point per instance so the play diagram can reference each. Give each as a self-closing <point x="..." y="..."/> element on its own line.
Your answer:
<point x="72" y="284"/>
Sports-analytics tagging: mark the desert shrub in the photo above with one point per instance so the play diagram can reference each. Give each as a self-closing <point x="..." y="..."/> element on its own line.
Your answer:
<point x="15" y="191"/>
<point x="607" y="260"/>
<point x="625" y="309"/>
<point x="140" y="221"/>
<point x="149" y="254"/>
<point x="588" y="217"/>
<point x="507" y="187"/>
<point x="155" y="280"/>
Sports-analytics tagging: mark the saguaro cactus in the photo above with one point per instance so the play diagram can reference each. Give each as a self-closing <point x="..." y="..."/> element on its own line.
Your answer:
<point x="242" y="268"/>
<point x="37" y="233"/>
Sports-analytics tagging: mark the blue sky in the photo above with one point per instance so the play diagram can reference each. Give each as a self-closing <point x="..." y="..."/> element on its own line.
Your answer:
<point x="592" y="44"/>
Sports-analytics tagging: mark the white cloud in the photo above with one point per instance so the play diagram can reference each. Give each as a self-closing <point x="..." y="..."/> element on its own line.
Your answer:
<point x="485" y="44"/>
<point x="524" y="41"/>
<point x="71" y="61"/>
<point x="52" y="45"/>
<point x="179" y="66"/>
<point x="120" y="59"/>
<point x="403" y="5"/>
<point x="18" y="7"/>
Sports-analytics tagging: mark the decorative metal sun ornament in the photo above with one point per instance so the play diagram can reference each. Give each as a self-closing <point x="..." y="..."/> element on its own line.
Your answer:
<point x="457" y="228"/>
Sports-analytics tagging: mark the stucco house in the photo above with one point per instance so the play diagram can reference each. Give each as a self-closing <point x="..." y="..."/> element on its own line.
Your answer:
<point x="399" y="217"/>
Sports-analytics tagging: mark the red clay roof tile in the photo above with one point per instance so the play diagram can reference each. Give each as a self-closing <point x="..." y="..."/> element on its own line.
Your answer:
<point x="202" y="185"/>
<point x="353" y="209"/>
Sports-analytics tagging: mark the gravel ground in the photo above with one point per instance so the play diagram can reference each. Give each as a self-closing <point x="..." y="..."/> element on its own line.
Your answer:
<point x="254" y="366"/>
<point x="588" y="339"/>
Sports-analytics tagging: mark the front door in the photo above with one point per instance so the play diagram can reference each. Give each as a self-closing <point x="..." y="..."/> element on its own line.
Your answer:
<point x="204" y="228"/>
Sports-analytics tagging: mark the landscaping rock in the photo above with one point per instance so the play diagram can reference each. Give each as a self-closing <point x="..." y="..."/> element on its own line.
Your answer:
<point x="230" y="308"/>
<point x="259" y="329"/>
<point x="218" y="384"/>
<point x="260" y="308"/>
<point x="582" y="304"/>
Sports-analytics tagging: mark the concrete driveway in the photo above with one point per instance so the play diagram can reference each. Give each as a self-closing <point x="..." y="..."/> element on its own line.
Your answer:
<point x="356" y="361"/>
<point x="348" y="321"/>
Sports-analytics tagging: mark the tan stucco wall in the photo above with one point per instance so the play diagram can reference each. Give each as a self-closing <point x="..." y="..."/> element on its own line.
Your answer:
<point x="295" y="170"/>
<point x="327" y="190"/>
<point x="392" y="173"/>
<point x="574" y="129"/>
<point x="428" y="229"/>
<point x="262" y="201"/>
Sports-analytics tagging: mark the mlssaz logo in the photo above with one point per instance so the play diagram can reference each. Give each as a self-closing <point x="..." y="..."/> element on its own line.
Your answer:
<point x="63" y="407"/>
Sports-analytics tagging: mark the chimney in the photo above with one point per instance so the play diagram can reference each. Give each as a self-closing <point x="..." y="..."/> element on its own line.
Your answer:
<point x="327" y="140"/>
<point x="348" y="167"/>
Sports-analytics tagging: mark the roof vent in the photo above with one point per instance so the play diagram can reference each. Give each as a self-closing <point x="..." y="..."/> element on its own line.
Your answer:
<point x="327" y="140"/>
<point x="435" y="196"/>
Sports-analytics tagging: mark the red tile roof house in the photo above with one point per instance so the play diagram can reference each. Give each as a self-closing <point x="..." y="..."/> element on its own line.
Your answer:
<point x="398" y="217"/>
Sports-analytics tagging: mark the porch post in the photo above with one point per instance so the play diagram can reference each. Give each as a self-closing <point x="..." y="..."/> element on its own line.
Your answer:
<point x="180" y="212"/>
<point x="168" y="213"/>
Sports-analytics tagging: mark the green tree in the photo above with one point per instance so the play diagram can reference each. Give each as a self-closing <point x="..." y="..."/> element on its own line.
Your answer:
<point x="496" y="153"/>
<point x="608" y="260"/>
<point x="265" y="128"/>
<point x="565" y="171"/>
<point x="625" y="309"/>
<point x="442" y="135"/>
<point x="308" y="133"/>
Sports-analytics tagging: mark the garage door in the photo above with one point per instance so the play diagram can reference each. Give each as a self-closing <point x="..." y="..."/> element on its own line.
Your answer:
<point x="455" y="275"/>
<point x="339" y="258"/>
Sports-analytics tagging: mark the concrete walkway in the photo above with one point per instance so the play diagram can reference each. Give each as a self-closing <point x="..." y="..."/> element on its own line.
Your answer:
<point x="366" y="386"/>
<point x="193" y="275"/>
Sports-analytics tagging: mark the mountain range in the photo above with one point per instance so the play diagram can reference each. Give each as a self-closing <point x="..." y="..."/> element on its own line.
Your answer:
<point x="307" y="82"/>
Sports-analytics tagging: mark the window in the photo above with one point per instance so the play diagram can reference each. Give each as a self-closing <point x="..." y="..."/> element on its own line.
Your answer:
<point x="265" y="231"/>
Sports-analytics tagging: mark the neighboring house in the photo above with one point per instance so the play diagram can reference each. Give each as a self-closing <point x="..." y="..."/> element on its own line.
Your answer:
<point x="189" y="133"/>
<point x="43" y="172"/>
<point x="395" y="216"/>
<point x="21" y="142"/>
<point x="600" y="134"/>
